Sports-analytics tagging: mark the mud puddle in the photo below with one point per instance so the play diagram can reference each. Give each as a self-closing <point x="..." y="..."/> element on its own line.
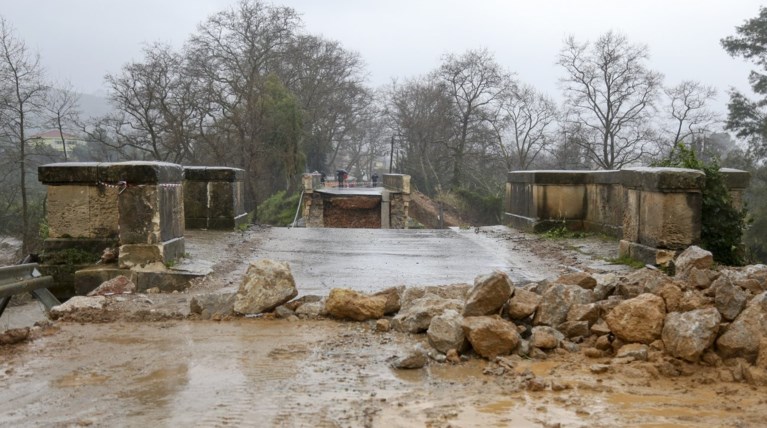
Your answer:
<point x="325" y="373"/>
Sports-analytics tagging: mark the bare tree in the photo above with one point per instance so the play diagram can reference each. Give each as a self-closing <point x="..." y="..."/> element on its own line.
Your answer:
<point x="473" y="81"/>
<point x="63" y="111"/>
<point x="524" y="131"/>
<point x="22" y="92"/>
<point x="419" y="113"/>
<point x="611" y="92"/>
<point x="687" y="109"/>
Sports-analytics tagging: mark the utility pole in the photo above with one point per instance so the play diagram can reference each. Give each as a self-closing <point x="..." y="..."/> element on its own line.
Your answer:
<point x="391" y="155"/>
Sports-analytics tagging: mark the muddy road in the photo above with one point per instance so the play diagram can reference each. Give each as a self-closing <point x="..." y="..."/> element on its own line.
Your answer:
<point x="330" y="374"/>
<point x="146" y="369"/>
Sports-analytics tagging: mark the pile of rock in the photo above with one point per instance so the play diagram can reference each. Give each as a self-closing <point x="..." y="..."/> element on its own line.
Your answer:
<point x="716" y="317"/>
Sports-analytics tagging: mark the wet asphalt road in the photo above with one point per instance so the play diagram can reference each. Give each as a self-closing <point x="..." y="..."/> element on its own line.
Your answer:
<point x="372" y="259"/>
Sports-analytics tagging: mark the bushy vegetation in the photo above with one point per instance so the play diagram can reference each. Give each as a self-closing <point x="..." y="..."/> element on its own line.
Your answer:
<point x="279" y="209"/>
<point x="722" y="223"/>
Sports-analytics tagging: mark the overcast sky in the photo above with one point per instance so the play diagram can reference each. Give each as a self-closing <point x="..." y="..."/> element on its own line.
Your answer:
<point x="82" y="40"/>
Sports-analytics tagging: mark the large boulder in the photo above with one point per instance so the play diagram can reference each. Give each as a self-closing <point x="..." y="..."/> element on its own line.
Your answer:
<point x="742" y="337"/>
<point x="639" y="319"/>
<point x="584" y="312"/>
<point x="581" y="279"/>
<point x="522" y="304"/>
<point x="556" y="303"/>
<point x="490" y="336"/>
<point x="445" y="332"/>
<point x="417" y="315"/>
<point x="545" y="337"/>
<point x="672" y="294"/>
<point x="641" y="281"/>
<point x="393" y="300"/>
<point x="489" y="294"/>
<point x="267" y="284"/>
<point x="729" y="299"/>
<point x="343" y="303"/>
<point x="688" y="334"/>
<point x="693" y="257"/>
<point x="212" y="305"/>
<point x="452" y="291"/>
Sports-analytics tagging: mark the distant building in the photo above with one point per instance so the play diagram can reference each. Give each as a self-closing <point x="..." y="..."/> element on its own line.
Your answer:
<point x="52" y="139"/>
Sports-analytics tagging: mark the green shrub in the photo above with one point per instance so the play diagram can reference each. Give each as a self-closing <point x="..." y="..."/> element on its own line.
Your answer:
<point x="482" y="209"/>
<point x="278" y="210"/>
<point x="722" y="224"/>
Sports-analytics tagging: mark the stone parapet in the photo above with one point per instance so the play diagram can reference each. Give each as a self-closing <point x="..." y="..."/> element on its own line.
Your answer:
<point x="214" y="198"/>
<point x="397" y="183"/>
<point x="656" y="211"/>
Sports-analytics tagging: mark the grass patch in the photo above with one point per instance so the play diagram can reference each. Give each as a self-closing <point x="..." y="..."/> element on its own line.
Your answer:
<point x="562" y="232"/>
<point x="628" y="261"/>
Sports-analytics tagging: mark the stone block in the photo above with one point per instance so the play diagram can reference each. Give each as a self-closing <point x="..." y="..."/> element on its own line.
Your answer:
<point x="87" y="279"/>
<point x="134" y="255"/>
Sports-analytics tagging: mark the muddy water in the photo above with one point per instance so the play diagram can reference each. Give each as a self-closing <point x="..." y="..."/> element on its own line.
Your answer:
<point x="275" y="373"/>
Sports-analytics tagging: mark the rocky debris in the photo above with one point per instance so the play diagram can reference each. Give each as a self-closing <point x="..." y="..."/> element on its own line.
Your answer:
<point x="79" y="304"/>
<point x="414" y="358"/>
<point x="392" y="295"/>
<point x="761" y="358"/>
<point x="701" y="278"/>
<point x="693" y="257"/>
<point x="693" y="299"/>
<point x="599" y="368"/>
<point x="639" y="319"/>
<point x="294" y="304"/>
<point x="545" y="337"/>
<point x="383" y="325"/>
<point x="284" y="312"/>
<point x="584" y="312"/>
<point x="452" y="292"/>
<point x="742" y="336"/>
<point x="117" y="285"/>
<point x="417" y="315"/>
<point x="311" y="309"/>
<point x="557" y="301"/>
<point x="572" y="329"/>
<point x="581" y="279"/>
<point x="672" y="295"/>
<point x="600" y="328"/>
<point x="641" y="281"/>
<point x="688" y="334"/>
<point x="213" y="305"/>
<point x="490" y="336"/>
<point x="453" y="356"/>
<point x="606" y="284"/>
<point x="634" y="351"/>
<point x="445" y="332"/>
<point x="343" y="303"/>
<point x="267" y="284"/>
<point x="489" y="294"/>
<point x="14" y="335"/>
<point x="522" y="304"/>
<point x="729" y="299"/>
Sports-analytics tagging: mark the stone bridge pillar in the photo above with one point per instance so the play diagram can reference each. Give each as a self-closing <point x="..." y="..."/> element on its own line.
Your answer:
<point x="661" y="212"/>
<point x="136" y="205"/>
<point x="214" y="197"/>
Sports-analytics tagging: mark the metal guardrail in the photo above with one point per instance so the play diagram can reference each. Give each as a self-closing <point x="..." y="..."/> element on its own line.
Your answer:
<point x="25" y="278"/>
